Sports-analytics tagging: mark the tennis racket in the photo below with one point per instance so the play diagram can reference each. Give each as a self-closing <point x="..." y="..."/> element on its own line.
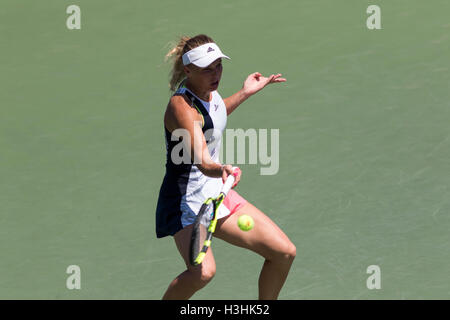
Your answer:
<point x="205" y="223"/>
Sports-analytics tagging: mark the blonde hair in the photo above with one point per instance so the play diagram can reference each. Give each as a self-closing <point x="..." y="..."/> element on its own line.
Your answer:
<point x="184" y="44"/>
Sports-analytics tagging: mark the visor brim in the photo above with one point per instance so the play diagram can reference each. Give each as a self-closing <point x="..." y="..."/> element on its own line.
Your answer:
<point x="206" y="61"/>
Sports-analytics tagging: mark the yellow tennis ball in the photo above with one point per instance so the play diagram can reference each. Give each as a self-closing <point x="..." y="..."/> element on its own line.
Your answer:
<point x="245" y="222"/>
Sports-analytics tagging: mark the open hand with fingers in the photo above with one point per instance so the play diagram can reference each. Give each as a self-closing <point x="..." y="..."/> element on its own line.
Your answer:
<point x="256" y="81"/>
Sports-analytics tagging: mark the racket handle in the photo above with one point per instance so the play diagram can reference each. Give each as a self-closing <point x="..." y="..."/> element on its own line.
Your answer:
<point x="228" y="183"/>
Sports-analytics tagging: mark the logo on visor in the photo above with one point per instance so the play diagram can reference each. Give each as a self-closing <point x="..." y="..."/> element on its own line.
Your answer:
<point x="209" y="50"/>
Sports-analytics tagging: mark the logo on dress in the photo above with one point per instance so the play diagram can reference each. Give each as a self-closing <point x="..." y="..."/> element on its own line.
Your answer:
<point x="209" y="50"/>
<point x="216" y="106"/>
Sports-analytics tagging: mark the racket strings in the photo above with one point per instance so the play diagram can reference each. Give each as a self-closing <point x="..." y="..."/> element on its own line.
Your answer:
<point x="200" y="237"/>
<point x="200" y="230"/>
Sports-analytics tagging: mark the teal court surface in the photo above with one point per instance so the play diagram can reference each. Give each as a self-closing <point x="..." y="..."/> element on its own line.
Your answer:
<point x="363" y="121"/>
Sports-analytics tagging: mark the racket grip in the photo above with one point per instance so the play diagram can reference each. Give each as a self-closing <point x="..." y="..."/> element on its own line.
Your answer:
<point x="228" y="183"/>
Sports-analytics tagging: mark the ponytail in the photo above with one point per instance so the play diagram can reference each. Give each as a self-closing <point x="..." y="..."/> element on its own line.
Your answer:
<point x="176" y="54"/>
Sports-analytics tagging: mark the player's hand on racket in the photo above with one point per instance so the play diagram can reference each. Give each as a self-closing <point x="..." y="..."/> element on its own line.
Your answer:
<point x="235" y="171"/>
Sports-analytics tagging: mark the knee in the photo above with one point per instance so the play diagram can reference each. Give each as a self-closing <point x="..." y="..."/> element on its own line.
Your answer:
<point x="203" y="276"/>
<point x="286" y="255"/>
<point x="207" y="274"/>
<point x="291" y="252"/>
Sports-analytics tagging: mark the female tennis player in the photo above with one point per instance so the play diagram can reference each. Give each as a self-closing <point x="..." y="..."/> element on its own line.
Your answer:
<point x="197" y="108"/>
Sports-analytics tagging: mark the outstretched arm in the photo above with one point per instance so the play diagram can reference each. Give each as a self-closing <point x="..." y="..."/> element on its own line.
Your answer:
<point x="254" y="83"/>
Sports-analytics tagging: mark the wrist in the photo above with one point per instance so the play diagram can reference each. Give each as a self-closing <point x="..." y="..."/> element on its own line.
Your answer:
<point x="243" y="94"/>
<point x="222" y="169"/>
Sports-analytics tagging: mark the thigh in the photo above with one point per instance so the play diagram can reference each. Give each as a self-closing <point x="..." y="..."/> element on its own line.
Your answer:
<point x="183" y="241"/>
<point x="266" y="238"/>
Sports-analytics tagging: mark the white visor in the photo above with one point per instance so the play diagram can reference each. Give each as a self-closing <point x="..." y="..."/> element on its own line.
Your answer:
<point x="203" y="55"/>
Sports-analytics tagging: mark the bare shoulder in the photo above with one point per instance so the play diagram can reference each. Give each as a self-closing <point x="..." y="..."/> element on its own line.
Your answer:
<point x="179" y="101"/>
<point x="178" y="110"/>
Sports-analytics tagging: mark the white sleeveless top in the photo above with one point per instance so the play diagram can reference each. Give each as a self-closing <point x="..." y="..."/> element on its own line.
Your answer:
<point x="198" y="187"/>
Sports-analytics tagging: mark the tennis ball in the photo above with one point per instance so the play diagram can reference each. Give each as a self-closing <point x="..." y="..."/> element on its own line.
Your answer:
<point x="245" y="222"/>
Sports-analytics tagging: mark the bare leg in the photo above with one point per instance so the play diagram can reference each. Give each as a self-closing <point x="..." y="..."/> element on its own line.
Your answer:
<point x="266" y="239"/>
<point x="193" y="278"/>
